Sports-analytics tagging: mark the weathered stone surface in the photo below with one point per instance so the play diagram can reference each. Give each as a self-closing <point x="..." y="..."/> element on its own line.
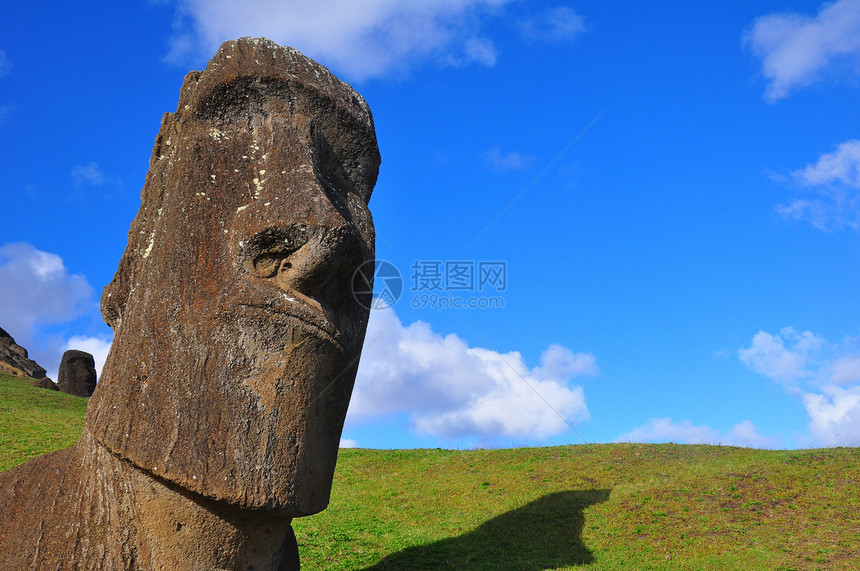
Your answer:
<point x="218" y="414"/>
<point x="45" y="383"/>
<point x="14" y="358"/>
<point x="77" y="374"/>
<point x="84" y="508"/>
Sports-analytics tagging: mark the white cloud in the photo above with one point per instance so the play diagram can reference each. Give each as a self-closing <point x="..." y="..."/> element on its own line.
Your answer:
<point x="348" y="443"/>
<point x="722" y="354"/>
<point x="559" y="364"/>
<point x="5" y="68"/>
<point x="479" y="50"/>
<point x="5" y="64"/>
<point x="553" y="25"/>
<point x="824" y="376"/>
<point x="840" y="166"/>
<point x="38" y="289"/>
<point x="835" y="181"/>
<point x="358" y="39"/>
<point x="845" y="370"/>
<point x="834" y="415"/>
<point x="512" y="160"/>
<point x="769" y="356"/>
<point x="88" y="174"/>
<point x="746" y="434"/>
<point x="666" y="430"/>
<point x="796" y="50"/>
<point x="833" y="212"/>
<point x="451" y="390"/>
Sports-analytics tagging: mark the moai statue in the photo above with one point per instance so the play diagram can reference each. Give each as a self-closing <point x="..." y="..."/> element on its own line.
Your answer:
<point x="237" y="334"/>
<point x="77" y="373"/>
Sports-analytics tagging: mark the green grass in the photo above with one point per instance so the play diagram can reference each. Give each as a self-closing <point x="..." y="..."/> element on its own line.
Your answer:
<point x="606" y="506"/>
<point x="35" y="421"/>
<point x="597" y="506"/>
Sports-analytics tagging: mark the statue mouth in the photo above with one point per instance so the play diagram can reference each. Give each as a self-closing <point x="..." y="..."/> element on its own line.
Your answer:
<point x="296" y="313"/>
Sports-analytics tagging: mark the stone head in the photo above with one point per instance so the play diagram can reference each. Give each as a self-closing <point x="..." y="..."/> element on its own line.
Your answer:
<point x="77" y="373"/>
<point x="236" y="330"/>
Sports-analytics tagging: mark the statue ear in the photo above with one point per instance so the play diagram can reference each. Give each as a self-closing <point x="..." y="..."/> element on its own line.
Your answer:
<point x="141" y="235"/>
<point x="141" y="239"/>
<point x="115" y="297"/>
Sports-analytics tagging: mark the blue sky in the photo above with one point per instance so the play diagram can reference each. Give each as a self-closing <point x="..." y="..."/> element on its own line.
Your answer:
<point x="672" y="189"/>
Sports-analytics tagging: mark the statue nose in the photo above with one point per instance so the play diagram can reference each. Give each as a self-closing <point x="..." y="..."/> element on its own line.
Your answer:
<point x="308" y="270"/>
<point x="316" y="272"/>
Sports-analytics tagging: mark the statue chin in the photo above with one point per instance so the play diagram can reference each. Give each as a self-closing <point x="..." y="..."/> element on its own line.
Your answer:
<point x="301" y="388"/>
<point x="271" y="443"/>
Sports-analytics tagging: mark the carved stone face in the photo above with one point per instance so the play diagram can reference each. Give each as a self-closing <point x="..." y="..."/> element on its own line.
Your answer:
<point x="237" y="334"/>
<point x="77" y="373"/>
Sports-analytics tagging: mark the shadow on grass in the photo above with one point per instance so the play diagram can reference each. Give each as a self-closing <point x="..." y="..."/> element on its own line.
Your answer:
<point x="545" y="534"/>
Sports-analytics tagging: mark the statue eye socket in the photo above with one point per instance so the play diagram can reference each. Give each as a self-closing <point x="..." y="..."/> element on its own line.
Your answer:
<point x="266" y="265"/>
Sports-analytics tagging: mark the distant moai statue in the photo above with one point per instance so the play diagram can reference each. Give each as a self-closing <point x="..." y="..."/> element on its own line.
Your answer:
<point x="237" y="334"/>
<point x="77" y="374"/>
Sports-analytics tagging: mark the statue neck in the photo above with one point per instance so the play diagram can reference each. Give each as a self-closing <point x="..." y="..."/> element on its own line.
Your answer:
<point x="176" y="529"/>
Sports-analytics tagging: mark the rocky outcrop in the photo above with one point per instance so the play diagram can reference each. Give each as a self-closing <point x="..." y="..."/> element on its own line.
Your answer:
<point x="45" y="383"/>
<point x="77" y="374"/>
<point x="14" y="359"/>
<point x="218" y="413"/>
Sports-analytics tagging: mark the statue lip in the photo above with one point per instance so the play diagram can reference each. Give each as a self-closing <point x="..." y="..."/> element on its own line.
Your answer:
<point x="299" y="312"/>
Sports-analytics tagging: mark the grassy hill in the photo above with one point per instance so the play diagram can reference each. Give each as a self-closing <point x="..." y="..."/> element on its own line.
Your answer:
<point x="596" y="506"/>
<point x="35" y="421"/>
